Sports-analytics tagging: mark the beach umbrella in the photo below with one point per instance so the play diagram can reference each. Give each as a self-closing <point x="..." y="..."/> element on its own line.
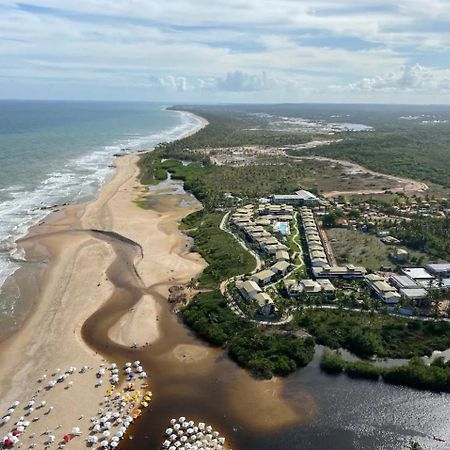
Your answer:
<point x="92" y="439"/>
<point x="76" y="431"/>
<point x="67" y="437"/>
<point x="119" y="434"/>
<point x="97" y="428"/>
<point x="104" y="443"/>
<point x="114" y="444"/>
<point x="8" y="442"/>
<point x="6" y="419"/>
<point x="106" y="433"/>
<point x="113" y="366"/>
<point x="16" y="403"/>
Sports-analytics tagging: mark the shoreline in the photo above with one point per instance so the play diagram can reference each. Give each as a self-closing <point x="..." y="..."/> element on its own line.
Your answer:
<point x="95" y="280"/>
<point x="74" y="263"/>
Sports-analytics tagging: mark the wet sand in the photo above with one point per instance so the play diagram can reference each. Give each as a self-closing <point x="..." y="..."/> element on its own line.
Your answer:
<point x="106" y="270"/>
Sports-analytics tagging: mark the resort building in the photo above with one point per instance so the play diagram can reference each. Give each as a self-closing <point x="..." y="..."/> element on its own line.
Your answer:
<point x="299" y="198"/>
<point x="383" y="290"/>
<point x="418" y="274"/>
<point x="249" y="289"/>
<point x="439" y="270"/>
<point x="280" y="267"/>
<point x="309" y="287"/>
<point x="265" y="303"/>
<point x="264" y="277"/>
<point x="327" y="287"/>
<point x="416" y="295"/>
<point x="403" y="282"/>
<point x="282" y="255"/>
<point x="348" y="272"/>
<point x="292" y="288"/>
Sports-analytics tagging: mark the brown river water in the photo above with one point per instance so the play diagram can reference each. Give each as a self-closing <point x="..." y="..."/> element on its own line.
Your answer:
<point x="308" y="410"/>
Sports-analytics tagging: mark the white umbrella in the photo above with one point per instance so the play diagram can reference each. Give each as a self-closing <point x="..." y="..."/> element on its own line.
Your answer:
<point x="76" y="431"/>
<point x="106" y="433"/>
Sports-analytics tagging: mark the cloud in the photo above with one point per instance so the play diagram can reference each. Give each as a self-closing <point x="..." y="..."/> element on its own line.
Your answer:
<point x="170" y="83"/>
<point x="234" y="50"/>
<point x="413" y="78"/>
<point x="239" y="81"/>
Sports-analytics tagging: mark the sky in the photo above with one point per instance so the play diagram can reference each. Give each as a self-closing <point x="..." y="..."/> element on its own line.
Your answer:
<point x="372" y="51"/>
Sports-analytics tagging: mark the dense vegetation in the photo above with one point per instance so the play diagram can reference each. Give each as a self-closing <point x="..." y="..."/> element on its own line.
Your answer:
<point x="415" y="373"/>
<point x="231" y="127"/>
<point x="371" y="334"/>
<point x="407" y="148"/>
<point x="427" y="234"/>
<point x="224" y="256"/>
<point x="264" y="355"/>
<point x="210" y="183"/>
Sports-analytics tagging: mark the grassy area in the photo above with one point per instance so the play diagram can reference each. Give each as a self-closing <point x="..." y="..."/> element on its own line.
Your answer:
<point x="264" y="355"/>
<point x="225" y="257"/>
<point x="368" y="334"/>
<point x="365" y="249"/>
<point x="415" y="374"/>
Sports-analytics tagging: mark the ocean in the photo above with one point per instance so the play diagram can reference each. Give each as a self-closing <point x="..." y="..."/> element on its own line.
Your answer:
<point x="55" y="152"/>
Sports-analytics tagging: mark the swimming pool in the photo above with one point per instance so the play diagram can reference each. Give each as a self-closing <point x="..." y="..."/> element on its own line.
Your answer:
<point x="281" y="227"/>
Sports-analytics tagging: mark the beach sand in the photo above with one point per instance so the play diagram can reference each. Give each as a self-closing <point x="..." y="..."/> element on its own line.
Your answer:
<point x="106" y="269"/>
<point x="75" y="284"/>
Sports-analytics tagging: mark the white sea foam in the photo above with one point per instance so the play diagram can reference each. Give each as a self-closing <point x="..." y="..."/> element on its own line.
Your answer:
<point x="77" y="181"/>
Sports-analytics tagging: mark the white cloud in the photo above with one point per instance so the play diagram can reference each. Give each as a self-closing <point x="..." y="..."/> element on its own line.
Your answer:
<point x="415" y="78"/>
<point x="234" y="48"/>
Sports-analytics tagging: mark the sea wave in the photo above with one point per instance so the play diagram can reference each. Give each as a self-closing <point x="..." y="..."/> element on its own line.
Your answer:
<point x="77" y="181"/>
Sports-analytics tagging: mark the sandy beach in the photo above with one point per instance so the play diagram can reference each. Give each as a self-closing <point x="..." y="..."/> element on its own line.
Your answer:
<point x="107" y="267"/>
<point x="144" y="244"/>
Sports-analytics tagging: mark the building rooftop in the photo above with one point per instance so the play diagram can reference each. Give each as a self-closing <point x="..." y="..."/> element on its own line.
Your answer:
<point x="281" y="266"/>
<point x="306" y="195"/>
<point x="417" y="273"/>
<point x="418" y="293"/>
<point x="263" y="275"/>
<point x="403" y="282"/>
<point x="249" y="286"/>
<point x="444" y="267"/>
<point x="263" y="299"/>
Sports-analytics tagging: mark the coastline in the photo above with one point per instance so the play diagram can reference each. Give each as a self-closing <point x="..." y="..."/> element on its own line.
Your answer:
<point x="107" y="269"/>
<point x="74" y="263"/>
